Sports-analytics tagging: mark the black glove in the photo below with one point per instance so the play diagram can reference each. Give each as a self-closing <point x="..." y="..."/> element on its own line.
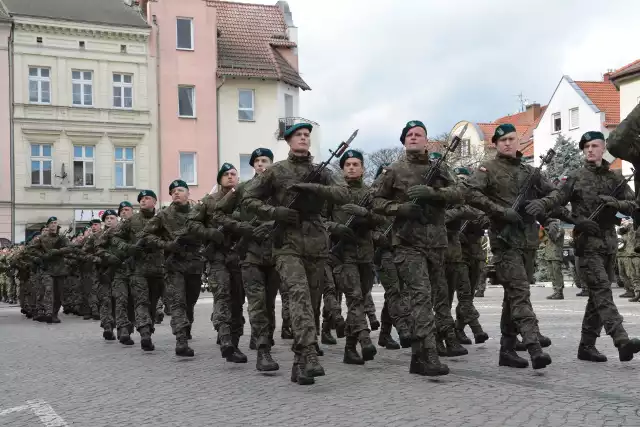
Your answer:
<point x="511" y="216"/>
<point x="353" y="209"/>
<point x="244" y="229"/>
<point x="262" y="231"/>
<point x="380" y="240"/>
<point x="410" y="211"/>
<point x="214" y="235"/>
<point x="535" y="207"/>
<point x="344" y="232"/>
<point x="286" y="215"/>
<point x="305" y="187"/>
<point x="610" y="201"/>
<point x="422" y="192"/>
<point x="587" y="226"/>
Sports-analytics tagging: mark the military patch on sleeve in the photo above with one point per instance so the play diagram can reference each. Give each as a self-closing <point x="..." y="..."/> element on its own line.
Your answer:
<point x="482" y="168"/>
<point x="384" y="170"/>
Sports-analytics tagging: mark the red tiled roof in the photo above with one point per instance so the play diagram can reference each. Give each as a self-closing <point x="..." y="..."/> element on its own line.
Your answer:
<point x="249" y="38"/>
<point x="628" y="69"/>
<point x="489" y="128"/>
<point x="527" y="149"/>
<point x="616" y="164"/>
<point x="606" y="97"/>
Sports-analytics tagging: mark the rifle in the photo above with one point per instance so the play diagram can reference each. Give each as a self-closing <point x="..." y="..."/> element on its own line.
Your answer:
<point x="311" y="177"/>
<point x="429" y="176"/>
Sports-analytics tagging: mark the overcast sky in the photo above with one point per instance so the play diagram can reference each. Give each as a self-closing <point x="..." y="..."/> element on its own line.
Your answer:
<point x="375" y="64"/>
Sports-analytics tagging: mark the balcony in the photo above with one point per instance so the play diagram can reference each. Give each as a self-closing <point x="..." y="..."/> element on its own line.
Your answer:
<point x="285" y="123"/>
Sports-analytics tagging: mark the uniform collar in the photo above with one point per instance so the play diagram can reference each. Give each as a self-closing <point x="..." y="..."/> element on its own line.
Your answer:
<point x="413" y="157"/>
<point x="300" y="159"/>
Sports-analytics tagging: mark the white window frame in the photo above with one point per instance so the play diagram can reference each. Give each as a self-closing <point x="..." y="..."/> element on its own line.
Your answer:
<point x="39" y="80"/>
<point x="195" y="166"/>
<point x="41" y="159"/>
<point x="124" y="162"/>
<point x="465" y="148"/>
<point x="253" y="105"/>
<point x="572" y="125"/>
<point x="193" y="106"/>
<point x="244" y="166"/>
<point x="121" y="85"/>
<point x="182" y="18"/>
<point x="82" y="82"/>
<point x="84" y="161"/>
<point x="553" y="122"/>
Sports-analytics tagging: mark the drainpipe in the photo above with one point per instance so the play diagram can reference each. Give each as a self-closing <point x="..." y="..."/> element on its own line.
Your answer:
<point x="155" y="22"/>
<point x="218" y="86"/>
<point x="12" y="167"/>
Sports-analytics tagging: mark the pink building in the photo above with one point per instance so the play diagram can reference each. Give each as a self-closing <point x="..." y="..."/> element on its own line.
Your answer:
<point x="184" y="44"/>
<point x="6" y="152"/>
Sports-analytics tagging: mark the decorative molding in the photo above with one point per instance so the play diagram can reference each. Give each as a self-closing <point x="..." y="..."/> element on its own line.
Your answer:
<point x="42" y="188"/>
<point x="41" y="135"/>
<point x="87" y="189"/>
<point x="81" y="32"/>
<point x="84" y="137"/>
<point x="125" y="190"/>
<point x="125" y="138"/>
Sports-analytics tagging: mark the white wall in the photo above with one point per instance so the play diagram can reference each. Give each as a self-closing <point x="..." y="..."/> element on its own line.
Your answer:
<point x="629" y="98"/>
<point x="476" y="142"/>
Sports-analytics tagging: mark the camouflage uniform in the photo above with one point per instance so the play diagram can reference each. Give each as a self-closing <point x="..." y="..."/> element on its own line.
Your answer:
<point x="473" y="253"/>
<point x="552" y="254"/>
<point x="91" y="276"/>
<point x="629" y="262"/>
<point x="108" y="266"/>
<point x="4" y="277"/>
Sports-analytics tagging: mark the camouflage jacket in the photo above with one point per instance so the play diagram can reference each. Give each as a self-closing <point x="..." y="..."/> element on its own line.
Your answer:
<point x="52" y="249"/>
<point x="628" y="236"/>
<point x="552" y="250"/>
<point x="454" y="218"/>
<point x="310" y="237"/>
<point x="129" y="231"/>
<point x="105" y="249"/>
<point x="624" y="141"/>
<point x="494" y="187"/>
<point x="89" y="248"/>
<point x="391" y="192"/>
<point x="166" y="227"/>
<point x="471" y="238"/>
<point x="582" y="189"/>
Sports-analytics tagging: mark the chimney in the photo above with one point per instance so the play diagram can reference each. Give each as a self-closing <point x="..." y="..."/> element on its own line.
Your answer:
<point x="533" y="112"/>
<point x="606" y="77"/>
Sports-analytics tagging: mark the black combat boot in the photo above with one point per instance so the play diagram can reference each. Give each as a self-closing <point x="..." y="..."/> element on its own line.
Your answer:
<point x="351" y="356"/>
<point x="454" y="348"/>
<point x="479" y="335"/>
<point x="590" y="353"/>
<point x="556" y="295"/>
<point x="312" y="365"/>
<point x="373" y="322"/>
<point x="627" y="294"/>
<point x="539" y="359"/>
<point x="145" y="339"/>
<point x="628" y="348"/>
<point x="298" y="372"/>
<point x="635" y="298"/>
<point x="520" y="345"/>
<point x="440" y="348"/>
<point x="125" y="337"/>
<point x="55" y="318"/>
<point x="508" y="356"/>
<point x="319" y="351"/>
<point x="479" y="294"/>
<point x="264" y="362"/>
<point x="159" y="317"/>
<point x="341" y="326"/>
<point x="252" y="343"/>
<point x="96" y="317"/>
<point x="237" y="356"/>
<point x="583" y="293"/>
<point x="189" y="337"/>
<point x="405" y="337"/>
<point x="182" y="346"/>
<point x="66" y="310"/>
<point x="167" y="310"/>
<point x="325" y="336"/>
<point x="367" y="348"/>
<point x="460" y="335"/>
<point x="107" y="333"/>
<point x="47" y="318"/>
<point x="385" y="340"/>
<point x="432" y="365"/>
<point x="287" y="333"/>
<point x="544" y="341"/>
<point x="87" y="316"/>
<point x="226" y="345"/>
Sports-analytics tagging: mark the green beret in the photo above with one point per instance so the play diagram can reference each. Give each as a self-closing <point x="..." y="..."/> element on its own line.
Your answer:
<point x="149" y="193"/>
<point x="51" y="219"/>
<point x="292" y="129"/>
<point x="260" y="152"/>
<point x="226" y="167"/>
<point x="461" y="171"/>
<point x="94" y="221"/>
<point x="410" y="125"/>
<point x="351" y="154"/>
<point x="434" y="156"/>
<point x="177" y="183"/>
<point x="501" y="131"/>
<point x="109" y="212"/>
<point x="380" y="169"/>
<point x="124" y="204"/>
<point x="590" y="136"/>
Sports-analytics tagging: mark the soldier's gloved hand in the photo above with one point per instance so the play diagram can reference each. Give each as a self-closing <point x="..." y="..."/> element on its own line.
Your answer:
<point x="587" y="226"/>
<point x="409" y="210"/>
<point x="308" y="187"/>
<point x="353" y="209"/>
<point x="214" y="235"/>
<point x="380" y="240"/>
<point x="511" y="216"/>
<point x="423" y="192"/>
<point x="610" y="201"/>
<point x="172" y="247"/>
<point x="245" y="229"/>
<point x="535" y="207"/>
<point x="262" y="231"/>
<point x="283" y="214"/>
<point x="344" y="232"/>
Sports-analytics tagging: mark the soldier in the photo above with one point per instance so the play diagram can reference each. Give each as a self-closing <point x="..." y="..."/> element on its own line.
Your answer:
<point x="493" y="189"/>
<point x="552" y="254"/>
<point x="596" y="243"/>
<point x="629" y="262"/>
<point x="89" y="274"/>
<point x="107" y="264"/>
<point x="419" y="239"/>
<point x="300" y="243"/>
<point x="4" y="275"/>
<point x="167" y="231"/>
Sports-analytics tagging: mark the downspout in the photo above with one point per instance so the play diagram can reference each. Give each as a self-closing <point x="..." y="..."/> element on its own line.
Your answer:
<point x="155" y="22"/>
<point x="11" y="138"/>
<point x="218" y="86"/>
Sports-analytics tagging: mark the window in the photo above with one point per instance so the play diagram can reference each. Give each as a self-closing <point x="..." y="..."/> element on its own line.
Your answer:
<point x="81" y="44"/>
<point x="39" y="85"/>
<point x="246" y="171"/>
<point x="184" y="34"/>
<point x="288" y="105"/>
<point x="39" y="40"/>
<point x="83" y="165"/>
<point x="556" y="122"/>
<point x="245" y="104"/>
<point x="186" y="101"/>
<point x="123" y="48"/>
<point x="188" y="171"/>
<point x="41" y="164"/>
<point x="82" y="82"/>
<point x="122" y="90"/>
<point x="465" y="148"/>
<point x="574" y="118"/>
<point x="125" y="164"/>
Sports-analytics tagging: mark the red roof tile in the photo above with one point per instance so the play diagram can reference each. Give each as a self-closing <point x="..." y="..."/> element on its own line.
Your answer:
<point x="489" y="128"/>
<point x="606" y="97"/>
<point x="628" y="69"/>
<point x="249" y="38"/>
<point x="616" y="164"/>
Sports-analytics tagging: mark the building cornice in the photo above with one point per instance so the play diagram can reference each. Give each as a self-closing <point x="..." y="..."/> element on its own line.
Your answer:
<point x="94" y="32"/>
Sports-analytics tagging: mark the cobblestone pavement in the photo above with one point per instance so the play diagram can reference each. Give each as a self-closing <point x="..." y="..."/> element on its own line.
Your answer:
<point x="57" y="375"/>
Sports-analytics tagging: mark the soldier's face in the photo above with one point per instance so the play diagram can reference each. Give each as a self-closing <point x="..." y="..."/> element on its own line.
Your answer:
<point x="180" y="195"/>
<point x="260" y="164"/>
<point x="353" y="169"/>
<point x="147" y="203"/>
<point x="594" y="150"/>
<point x="300" y="141"/>
<point x="95" y="227"/>
<point x="110" y="221"/>
<point x="229" y="179"/>
<point x="52" y="226"/>
<point x="126" y="212"/>
<point x="508" y="145"/>
<point x="416" y="140"/>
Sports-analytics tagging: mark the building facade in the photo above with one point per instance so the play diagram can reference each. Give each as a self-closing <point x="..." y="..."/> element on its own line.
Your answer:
<point x="84" y="111"/>
<point x="6" y="151"/>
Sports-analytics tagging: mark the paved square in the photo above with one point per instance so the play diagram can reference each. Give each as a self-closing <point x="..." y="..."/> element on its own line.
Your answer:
<point x="66" y="374"/>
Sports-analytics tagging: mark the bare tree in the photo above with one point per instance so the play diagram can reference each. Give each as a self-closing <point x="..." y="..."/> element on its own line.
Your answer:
<point x="382" y="156"/>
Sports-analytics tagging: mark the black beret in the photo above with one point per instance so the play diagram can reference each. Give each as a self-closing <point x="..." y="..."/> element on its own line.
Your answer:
<point x="177" y="183"/>
<point x="226" y="167"/>
<point x="260" y="152"/>
<point x="290" y="131"/>
<point x="51" y="219"/>
<point x="590" y="136"/>
<point x="107" y="213"/>
<point x="501" y="131"/>
<point x="149" y="193"/>
<point x="351" y="154"/>
<point x="410" y="125"/>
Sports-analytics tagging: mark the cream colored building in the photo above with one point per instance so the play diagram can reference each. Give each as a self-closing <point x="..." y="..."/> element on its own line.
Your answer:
<point x="85" y="131"/>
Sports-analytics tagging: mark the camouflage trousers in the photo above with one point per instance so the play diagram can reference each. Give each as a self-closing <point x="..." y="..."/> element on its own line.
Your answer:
<point x="477" y="274"/>
<point x="577" y="279"/>
<point x="285" y="312"/>
<point x="261" y="283"/>
<point x="457" y="274"/>
<point x="355" y="281"/>
<point x="105" y="298"/>
<point x="25" y="290"/>
<point x="331" y="299"/>
<point x="555" y="271"/>
<point x="52" y="287"/>
<point x="146" y="291"/>
<point x="396" y="296"/>
<point x="89" y="280"/>
<point x="37" y="293"/>
<point x="123" y="298"/>
<point x="629" y="269"/>
<point x="72" y="292"/>
<point x="601" y="310"/>
<point x="421" y="271"/>
<point x="369" y="305"/>
<point x="182" y="290"/>
<point x="302" y="278"/>
<point x="225" y="281"/>
<point x="4" y="286"/>
<point x="517" y="311"/>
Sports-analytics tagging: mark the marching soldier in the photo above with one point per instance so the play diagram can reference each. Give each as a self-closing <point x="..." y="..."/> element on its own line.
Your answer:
<point x="553" y="256"/>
